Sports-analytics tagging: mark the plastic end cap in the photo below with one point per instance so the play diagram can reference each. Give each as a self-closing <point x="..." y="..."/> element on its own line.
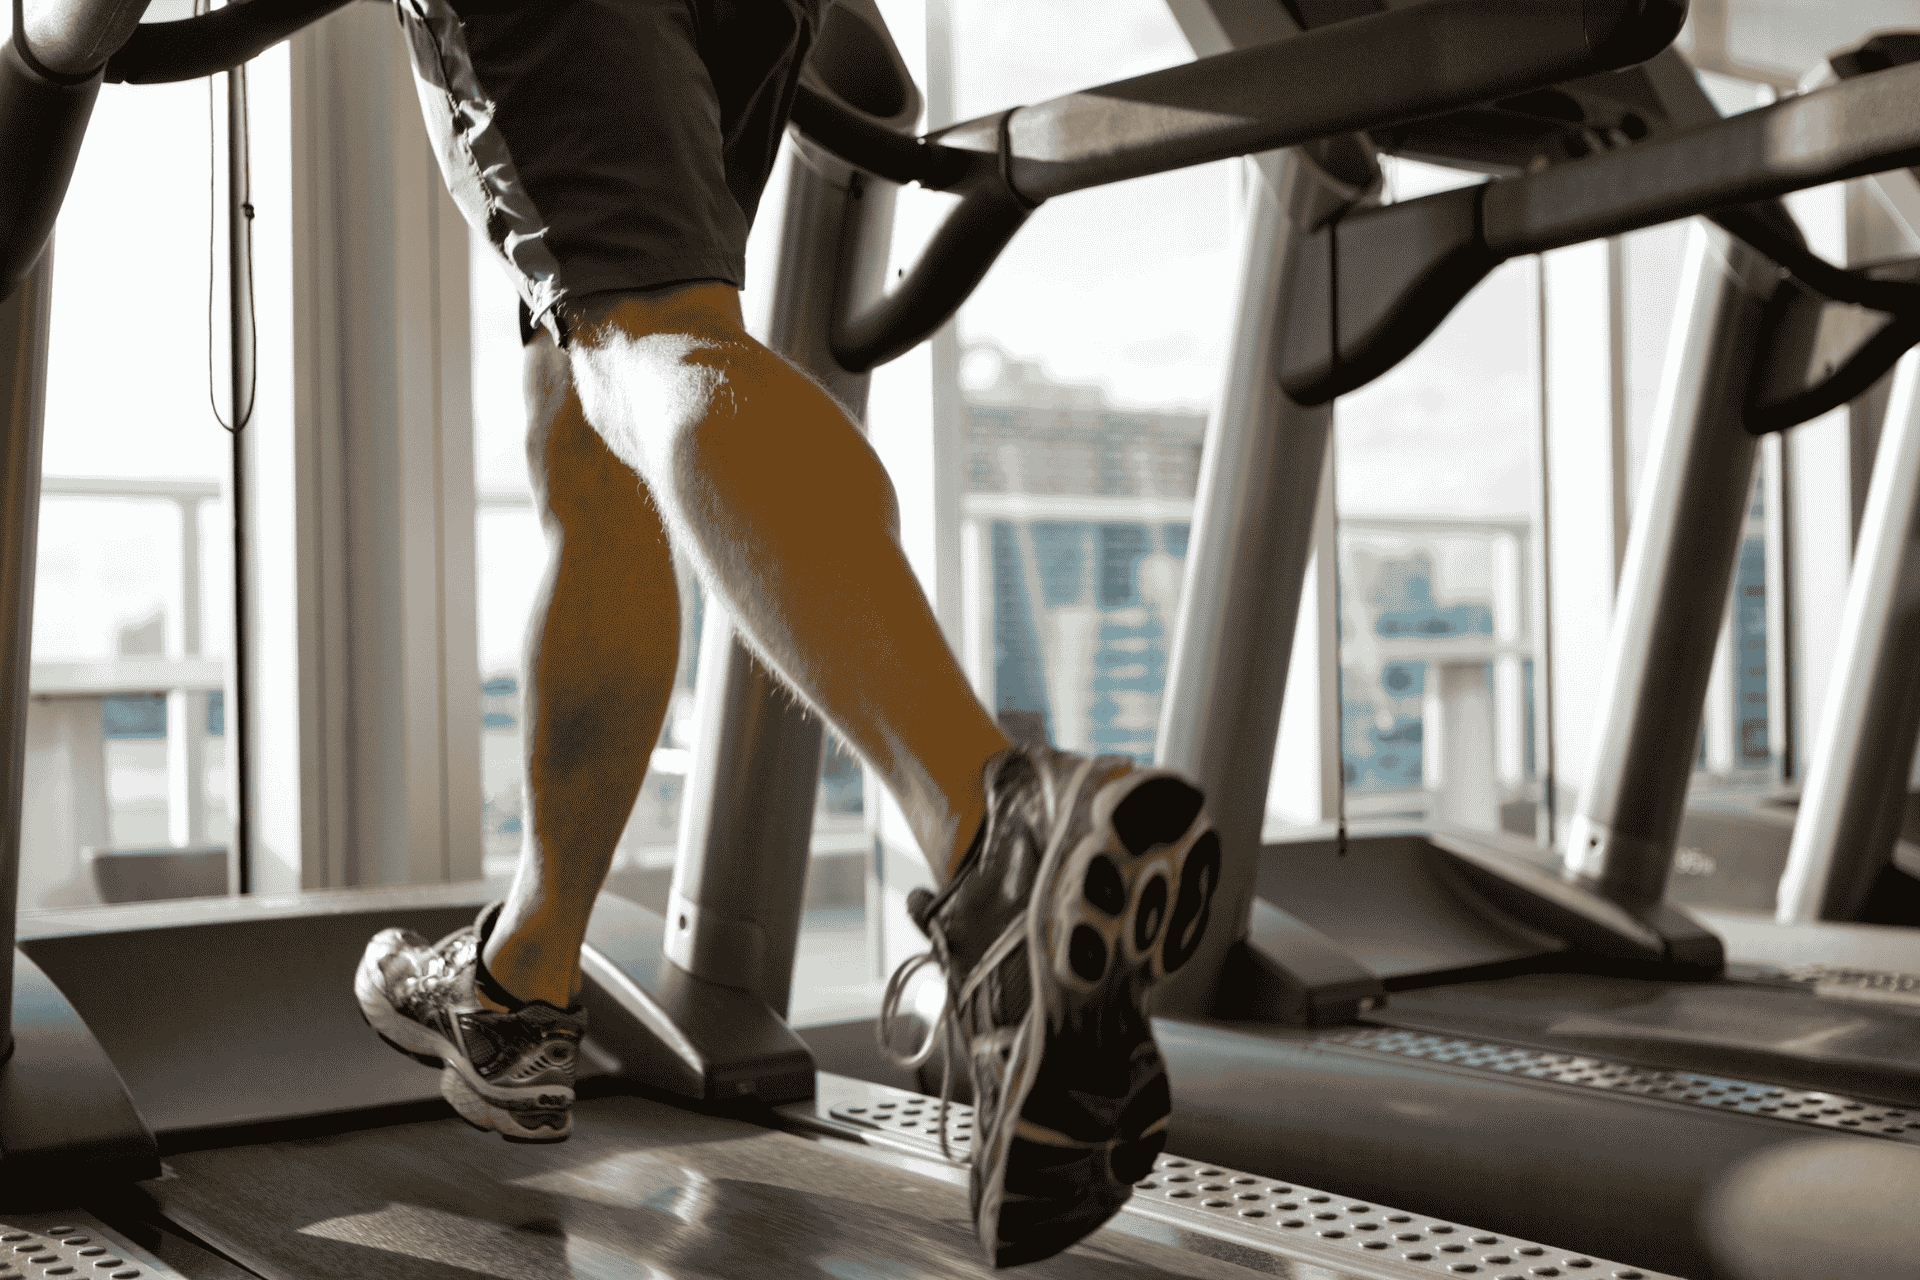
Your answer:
<point x="1621" y="33"/>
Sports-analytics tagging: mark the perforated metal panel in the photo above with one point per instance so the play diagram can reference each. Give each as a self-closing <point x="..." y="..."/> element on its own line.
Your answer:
<point x="911" y="1116"/>
<point x="74" y="1245"/>
<point x="1688" y="1088"/>
<point x="1338" y="1232"/>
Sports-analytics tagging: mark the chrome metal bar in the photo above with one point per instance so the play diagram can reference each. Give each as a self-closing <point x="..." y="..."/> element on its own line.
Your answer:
<point x="76" y="37"/>
<point x="1252" y="539"/>
<point x="1851" y="810"/>
<point x="746" y="822"/>
<point x="24" y="319"/>
<point x="1679" y="566"/>
<point x="1782" y="734"/>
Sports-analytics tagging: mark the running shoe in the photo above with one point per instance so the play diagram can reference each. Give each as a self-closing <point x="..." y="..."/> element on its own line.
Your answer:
<point x="507" y="1073"/>
<point x="1089" y="881"/>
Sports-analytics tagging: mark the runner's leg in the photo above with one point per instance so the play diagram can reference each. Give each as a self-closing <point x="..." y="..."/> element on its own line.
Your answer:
<point x="1092" y="879"/>
<point x="788" y="514"/>
<point x="602" y="646"/>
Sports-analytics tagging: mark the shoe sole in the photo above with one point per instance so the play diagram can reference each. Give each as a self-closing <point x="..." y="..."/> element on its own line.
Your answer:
<point x="489" y="1108"/>
<point x="1129" y="904"/>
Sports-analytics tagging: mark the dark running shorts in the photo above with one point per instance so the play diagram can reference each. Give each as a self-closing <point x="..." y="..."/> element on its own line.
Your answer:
<point x="607" y="145"/>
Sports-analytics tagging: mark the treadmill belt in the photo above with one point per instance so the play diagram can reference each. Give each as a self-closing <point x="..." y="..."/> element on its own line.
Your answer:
<point x="642" y="1189"/>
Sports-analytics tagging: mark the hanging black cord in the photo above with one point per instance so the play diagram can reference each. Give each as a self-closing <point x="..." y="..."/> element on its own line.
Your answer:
<point x="242" y="341"/>
<point x="242" y="416"/>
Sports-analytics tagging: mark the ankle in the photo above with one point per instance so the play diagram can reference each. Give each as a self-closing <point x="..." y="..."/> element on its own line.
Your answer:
<point x="521" y="981"/>
<point x="968" y="830"/>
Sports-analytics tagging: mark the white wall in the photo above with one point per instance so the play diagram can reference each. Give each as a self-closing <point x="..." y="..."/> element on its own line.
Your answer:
<point x="373" y="503"/>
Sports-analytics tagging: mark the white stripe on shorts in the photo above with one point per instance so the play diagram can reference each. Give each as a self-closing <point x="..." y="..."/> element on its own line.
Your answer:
<point x="473" y="153"/>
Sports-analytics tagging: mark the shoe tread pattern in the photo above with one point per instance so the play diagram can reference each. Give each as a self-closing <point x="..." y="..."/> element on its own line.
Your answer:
<point x="1080" y="848"/>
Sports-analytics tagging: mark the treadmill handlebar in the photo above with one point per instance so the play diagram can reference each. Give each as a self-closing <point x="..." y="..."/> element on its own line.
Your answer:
<point x="1845" y="130"/>
<point x="41" y="126"/>
<point x="1432" y="57"/>
<point x="1365" y="73"/>
<point x="50" y="73"/>
<point x="961" y="252"/>
<point x="70" y="40"/>
<point x="873" y="145"/>
<point x="1398" y="270"/>
<point x="209" y="43"/>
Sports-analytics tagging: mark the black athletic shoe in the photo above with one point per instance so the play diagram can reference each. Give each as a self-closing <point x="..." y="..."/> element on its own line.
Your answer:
<point x="1089" y="881"/>
<point x="509" y="1073"/>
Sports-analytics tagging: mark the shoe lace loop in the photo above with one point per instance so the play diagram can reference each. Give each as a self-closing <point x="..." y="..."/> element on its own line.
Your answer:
<point x="939" y="1037"/>
<point x="952" y="1004"/>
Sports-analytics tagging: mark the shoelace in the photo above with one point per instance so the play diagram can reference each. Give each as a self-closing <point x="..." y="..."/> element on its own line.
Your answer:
<point x="938" y="953"/>
<point x="438" y="969"/>
<point x="944" y="1026"/>
<point x="941" y="1036"/>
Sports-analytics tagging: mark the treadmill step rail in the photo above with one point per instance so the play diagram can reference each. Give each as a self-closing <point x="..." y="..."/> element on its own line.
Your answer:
<point x="912" y="1118"/>
<point x="1313" y="1226"/>
<point x="1870" y="986"/>
<point x="72" y="1244"/>
<point x="1688" y="1088"/>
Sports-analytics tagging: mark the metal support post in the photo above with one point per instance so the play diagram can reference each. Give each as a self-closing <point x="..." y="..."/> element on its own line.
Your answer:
<point x="1782" y="733"/>
<point x="24" y="319"/>
<point x="187" y="708"/>
<point x="746" y="819"/>
<point x="241" y="382"/>
<point x="1679" y="567"/>
<point x="1252" y="539"/>
<point x="1851" y="810"/>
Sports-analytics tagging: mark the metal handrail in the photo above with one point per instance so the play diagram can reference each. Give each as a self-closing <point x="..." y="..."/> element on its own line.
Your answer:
<point x="209" y="43"/>
<point x="74" y="38"/>
<point x="1422" y="60"/>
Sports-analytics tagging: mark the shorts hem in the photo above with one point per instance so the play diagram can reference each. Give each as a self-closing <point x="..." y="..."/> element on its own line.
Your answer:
<point x="663" y="273"/>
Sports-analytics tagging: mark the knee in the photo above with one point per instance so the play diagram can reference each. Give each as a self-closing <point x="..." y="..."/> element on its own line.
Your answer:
<point x="651" y="368"/>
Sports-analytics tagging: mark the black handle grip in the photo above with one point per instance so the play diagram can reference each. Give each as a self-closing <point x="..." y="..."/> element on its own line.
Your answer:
<point x="874" y="145"/>
<point x="163" y="52"/>
<point x="968" y="242"/>
<point x="1623" y="32"/>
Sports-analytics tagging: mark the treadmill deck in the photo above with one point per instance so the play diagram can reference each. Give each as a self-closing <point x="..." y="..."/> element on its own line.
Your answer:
<point x="645" y="1188"/>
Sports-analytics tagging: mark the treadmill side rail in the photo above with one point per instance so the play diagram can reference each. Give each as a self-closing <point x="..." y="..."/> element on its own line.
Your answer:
<point x="1317" y="1232"/>
<point x="64" y="1114"/>
<point x="674" y="1031"/>
<point x="1661" y="934"/>
<point x="1285" y="970"/>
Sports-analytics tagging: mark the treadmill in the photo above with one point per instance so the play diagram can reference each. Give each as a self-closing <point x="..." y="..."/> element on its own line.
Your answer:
<point x="186" y="1087"/>
<point x="1460" y="1020"/>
